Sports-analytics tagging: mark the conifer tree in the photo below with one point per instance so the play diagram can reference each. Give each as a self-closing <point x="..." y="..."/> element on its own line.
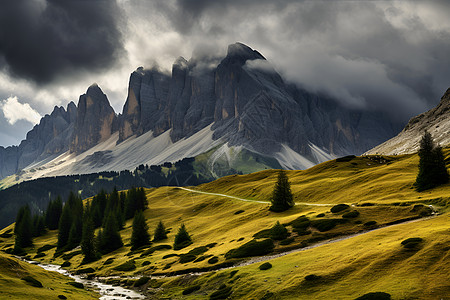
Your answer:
<point x="432" y="169"/>
<point x="88" y="241"/>
<point x="65" y="224"/>
<point x="278" y="232"/>
<point x="182" y="239"/>
<point x="282" y="198"/>
<point x="139" y="236"/>
<point x="110" y="237"/>
<point x="160" y="232"/>
<point x="38" y="225"/>
<point x="53" y="213"/>
<point x="23" y="229"/>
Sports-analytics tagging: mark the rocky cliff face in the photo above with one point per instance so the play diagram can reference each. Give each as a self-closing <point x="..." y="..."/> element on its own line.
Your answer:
<point x="436" y="121"/>
<point x="250" y="105"/>
<point x="239" y="100"/>
<point x="50" y="137"/>
<point x="95" y="120"/>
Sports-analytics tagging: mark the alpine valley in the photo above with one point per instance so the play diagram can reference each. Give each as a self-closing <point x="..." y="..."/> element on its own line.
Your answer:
<point x="174" y="197"/>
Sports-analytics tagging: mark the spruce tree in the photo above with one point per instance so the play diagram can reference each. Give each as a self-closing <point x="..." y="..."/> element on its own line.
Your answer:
<point x="65" y="224"/>
<point x="278" y="232"/>
<point x="432" y="169"/>
<point x="110" y="237"/>
<point x="282" y="198"/>
<point x="88" y="241"/>
<point x="182" y="239"/>
<point x="139" y="236"/>
<point x="23" y="230"/>
<point x="53" y="213"/>
<point x="160" y="232"/>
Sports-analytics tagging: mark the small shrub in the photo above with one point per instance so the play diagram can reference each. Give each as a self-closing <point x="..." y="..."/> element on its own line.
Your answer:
<point x="203" y="257"/>
<point x="66" y="264"/>
<point x="375" y="296"/>
<point x="240" y="239"/>
<point x="32" y="281"/>
<point x="265" y="266"/>
<point x="287" y="241"/>
<point x="191" y="289"/>
<point x="211" y="245"/>
<point x="169" y="255"/>
<point x="301" y="222"/>
<point x="358" y="222"/>
<point x="326" y="224"/>
<point x="239" y="212"/>
<point x="278" y="232"/>
<point x="312" y="277"/>
<point x="198" y="250"/>
<point x="370" y="223"/>
<point x="78" y="285"/>
<point x="338" y="208"/>
<point x="232" y="273"/>
<point x="45" y="248"/>
<point x="320" y="215"/>
<point x="411" y="243"/>
<point x="222" y="293"/>
<point x="146" y="263"/>
<point x="141" y="281"/>
<point x="251" y="248"/>
<point x="6" y="235"/>
<point x="109" y="261"/>
<point x="213" y="260"/>
<point x="126" y="266"/>
<point x="62" y="297"/>
<point x="301" y="231"/>
<point x="351" y="214"/>
<point x="263" y="234"/>
<point x="185" y="258"/>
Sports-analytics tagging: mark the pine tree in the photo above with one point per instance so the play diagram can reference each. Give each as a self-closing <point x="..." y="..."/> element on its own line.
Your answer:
<point x="160" y="232"/>
<point x="38" y="225"/>
<point x="110" y="237"/>
<point x="282" y="198"/>
<point x="23" y="229"/>
<point x="65" y="224"/>
<point x="53" y="213"/>
<point x="278" y="232"/>
<point x="182" y="239"/>
<point x="139" y="236"/>
<point x="88" y="241"/>
<point x="432" y="169"/>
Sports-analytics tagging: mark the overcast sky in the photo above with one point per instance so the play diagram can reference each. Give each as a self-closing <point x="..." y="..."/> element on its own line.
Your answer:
<point x="392" y="55"/>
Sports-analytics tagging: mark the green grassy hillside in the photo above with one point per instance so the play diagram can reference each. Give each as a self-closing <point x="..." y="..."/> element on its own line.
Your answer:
<point x="380" y="189"/>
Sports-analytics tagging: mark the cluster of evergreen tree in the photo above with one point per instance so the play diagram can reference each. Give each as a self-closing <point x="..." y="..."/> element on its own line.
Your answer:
<point x="41" y="190"/>
<point x="432" y="168"/>
<point x="23" y="230"/>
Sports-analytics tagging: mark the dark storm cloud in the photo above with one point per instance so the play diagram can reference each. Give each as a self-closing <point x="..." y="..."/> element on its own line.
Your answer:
<point x="389" y="55"/>
<point x="43" y="39"/>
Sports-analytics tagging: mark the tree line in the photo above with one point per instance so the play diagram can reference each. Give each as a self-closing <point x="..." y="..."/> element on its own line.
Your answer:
<point x="76" y="224"/>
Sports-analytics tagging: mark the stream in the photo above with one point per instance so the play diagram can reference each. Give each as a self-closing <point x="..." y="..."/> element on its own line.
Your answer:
<point x="107" y="291"/>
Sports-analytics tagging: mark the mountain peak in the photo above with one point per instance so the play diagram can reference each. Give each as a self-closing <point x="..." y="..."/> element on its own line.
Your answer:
<point x="241" y="53"/>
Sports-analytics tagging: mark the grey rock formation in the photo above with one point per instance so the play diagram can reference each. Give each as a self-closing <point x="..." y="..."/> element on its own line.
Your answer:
<point x="436" y="121"/>
<point x="95" y="120"/>
<point x="250" y="105"/>
<point x="47" y="139"/>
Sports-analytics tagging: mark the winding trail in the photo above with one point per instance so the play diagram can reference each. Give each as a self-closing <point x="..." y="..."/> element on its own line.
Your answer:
<point x="248" y="200"/>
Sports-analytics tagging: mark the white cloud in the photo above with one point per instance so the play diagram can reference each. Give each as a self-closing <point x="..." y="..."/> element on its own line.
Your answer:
<point x="15" y="111"/>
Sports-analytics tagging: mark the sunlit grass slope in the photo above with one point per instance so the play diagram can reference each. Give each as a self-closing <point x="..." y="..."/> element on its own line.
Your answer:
<point x="374" y="261"/>
<point x="54" y="284"/>
<point x="387" y="179"/>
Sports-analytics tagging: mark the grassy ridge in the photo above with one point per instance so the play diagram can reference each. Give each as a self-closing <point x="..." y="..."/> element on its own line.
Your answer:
<point x="375" y="261"/>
